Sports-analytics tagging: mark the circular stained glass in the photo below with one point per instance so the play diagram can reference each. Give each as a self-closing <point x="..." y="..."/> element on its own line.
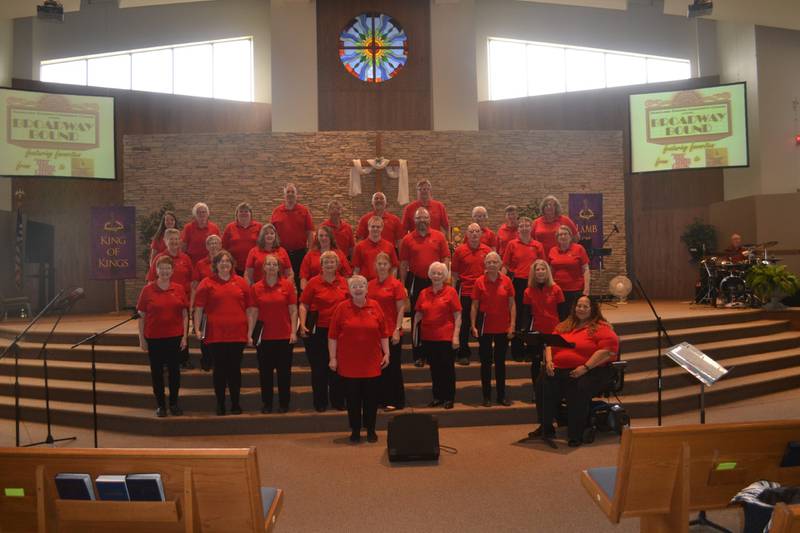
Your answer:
<point x="373" y="47"/>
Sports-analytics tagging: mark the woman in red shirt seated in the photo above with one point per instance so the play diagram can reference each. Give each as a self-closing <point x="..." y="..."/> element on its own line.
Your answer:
<point x="578" y="373"/>
<point x="390" y="294"/>
<point x="241" y="235"/>
<point x="570" y="264"/>
<point x="157" y="245"/>
<point x="493" y="296"/>
<point x="324" y="241"/>
<point x="163" y="322"/>
<point x="317" y="302"/>
<point x="438" y="314"/>
<point x="359" y="348"/>
<point x="275" y="301"/>
<point x="224" y="298"/>
<point x="546" y="226"/>
<point x="268" y="243"/>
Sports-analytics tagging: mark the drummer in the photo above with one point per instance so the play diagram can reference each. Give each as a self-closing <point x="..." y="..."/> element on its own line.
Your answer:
<point x="735" y="251"/>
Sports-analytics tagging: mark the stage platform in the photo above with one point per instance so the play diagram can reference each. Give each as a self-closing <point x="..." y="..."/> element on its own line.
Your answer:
<point x="764" y="350"/>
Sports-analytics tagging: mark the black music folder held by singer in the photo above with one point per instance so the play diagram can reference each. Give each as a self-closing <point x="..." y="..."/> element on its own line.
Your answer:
<point x="258" y="329"/>
<point x="311" y="321"/>
<point x="416" y="335"/>
<point x="549" y="339"/>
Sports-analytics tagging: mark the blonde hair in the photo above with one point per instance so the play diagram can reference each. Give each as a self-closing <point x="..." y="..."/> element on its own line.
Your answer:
<point x="329" y="253"/>
<point x="556" y="203"/>
<point x="548" y="282"/>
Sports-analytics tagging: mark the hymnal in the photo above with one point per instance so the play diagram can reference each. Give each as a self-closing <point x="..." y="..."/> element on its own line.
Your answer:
<point x="112" y="487"/>
<point x="145" y="487"/>
<point x="74" y="487"/>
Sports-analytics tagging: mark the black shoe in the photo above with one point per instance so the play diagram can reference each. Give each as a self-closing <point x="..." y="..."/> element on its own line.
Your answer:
<point x="503" y="401"/>
<point x="355" y="437"/>
<point x="161" y="412"/>
<point x="320" y="409"/>
<point x="340" y="407"/>
<point x="448" y="405"/>
<point x="542" y="432"/>
<point x="205" y="364"/>
<point x="283" y="409"/>
<point x="372" y="436"/>
<point x="435" y="403"/>
<point x="574" y="443"/>
<point x="236" y="410"/>
<point x="463" y="361"/>
<point x="187" y="365"/>
<point x="266" y="409"/>
<point x="174" y="410"/>
<point x="419" y="363"/>
<point x="487" y="402"/>
<point x="220" y="410"/>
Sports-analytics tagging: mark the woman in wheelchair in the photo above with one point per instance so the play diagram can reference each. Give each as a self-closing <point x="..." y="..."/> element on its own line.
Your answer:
<point x="578" y="373"/>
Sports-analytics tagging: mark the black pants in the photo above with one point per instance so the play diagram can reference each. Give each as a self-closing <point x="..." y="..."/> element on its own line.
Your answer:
<point x="414" y="286"/>
<point x="443" y="371"/>
<point x="518" y="348"/>
<point x="392" y="391"/>
<point x="165" y="352"/>
<point x="362" y="401"/>
<point x="466" y="324"/>
<point x="578" y="392"/>
<point x="493" y="346"/>
<point x="325" y="383"/>
<point x="296" y="259"/>
<point x="275" y="356"/>
<point x="537" y="366"/>
<point x="227" y="358"/>
<point x="566" y="306"/>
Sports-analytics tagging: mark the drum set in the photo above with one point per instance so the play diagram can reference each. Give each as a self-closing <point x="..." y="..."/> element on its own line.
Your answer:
<point x="723" y="276"/>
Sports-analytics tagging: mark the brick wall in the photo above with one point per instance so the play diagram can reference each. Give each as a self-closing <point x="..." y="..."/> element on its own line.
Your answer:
<point x="490" y="168"/>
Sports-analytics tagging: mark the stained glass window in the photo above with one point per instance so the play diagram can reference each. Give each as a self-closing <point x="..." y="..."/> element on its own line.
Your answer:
<point x="373" y="47"/>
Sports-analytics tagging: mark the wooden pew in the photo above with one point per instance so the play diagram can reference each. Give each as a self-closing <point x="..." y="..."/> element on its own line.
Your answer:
<point x="785" y="519"/>
<point x="664" y="473"/>
<point x="206" y="490"/>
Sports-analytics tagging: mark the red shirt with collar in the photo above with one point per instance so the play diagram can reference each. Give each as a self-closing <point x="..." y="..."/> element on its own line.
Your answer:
<point x="358" y="332"/>
<point x="343" y="234"/>
<point x="367" y="251"/>
<point x="492" y="297"/>
<point x="194" y="237"/>
<point x="544" y="302"/>
<point x="468" y="264"/>
<point x="293" y="226"/>
<point x="392" y="227"/>
<point x="437" y="311"/>
<point x="436" y="209"/>
<point x="421" y="251"/>
<point x="273" y="307"/>
<point x="310" y="266"/>
<point x="255" y="260"/>
<point x="489" y="238"/>
<point x="505" y="234"/>
<point x="239" y="241"/>
<point x="323" y="297"/>
<point x="586" y="344"/>
<point x="387" y="294"/>
<point x="545" y="232"/>
<point x="182" y="269"/>
<point x="202" y="270"/>
<point x="519" y="256"/>
<point x="568" y="266"/>
<point x="163" y="310"/>
<point x="158" y="245"/>
<point x="225" y="304"/>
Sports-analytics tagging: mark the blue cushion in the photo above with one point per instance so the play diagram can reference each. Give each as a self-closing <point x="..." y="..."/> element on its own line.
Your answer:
<point x="268" y="495"/>
<point x="605" y="477"/>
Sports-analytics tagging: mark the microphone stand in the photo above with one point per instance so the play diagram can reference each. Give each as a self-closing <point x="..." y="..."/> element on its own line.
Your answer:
<point x="15" y="346"/>
<point x="661" y="331"/>
<point x="93" y="339"/>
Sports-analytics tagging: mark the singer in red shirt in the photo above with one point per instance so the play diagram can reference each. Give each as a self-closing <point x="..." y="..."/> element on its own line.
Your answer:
<point x="436" y="210"/>
<point x="268" y="243"/>
<point x="507" y="231"/>
<point x="570" y="264"/>
<point x="342" y="232"/>
<point x="157" y="245"/>
<point x="241" y="235"/>
<point x="468" y="266"/>
<point x="546" y="226"/>
<point x="481" y="217"/>
<point x="392" y="226"/>
<point x="323" y="242"/>
<point x="202" y="269"/>
<point x="295" y="227"/>
<point x="194" y="233"/>
<point x="367" y="250"/>
<point x="182" y="267"/>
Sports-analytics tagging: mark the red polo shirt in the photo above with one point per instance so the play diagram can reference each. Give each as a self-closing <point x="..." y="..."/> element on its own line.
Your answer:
<point x="489" y="238"/>
<point x="421" y="251"/>
<point x="544" y="306"/>
<point x="545" y="232"/>
<point x="239" y="241"/>
<point x="387" y="294"/>
<point x="163" y="310"/>
<point x="492" y="299"/>
<point x="505" y="234"/>
<point x="519" y="256"/>
<point x="586" y="344"/>
<point x="201" y="270"/>
<point x="293" y="226"/>
<point x="194" y="238"/>
<point x="436" y="209"/>
<point x="310" y="266"/>
<point x="392" y="227"/>
<point x="158" y="245"/>
<point x="255" y="260"/>
<point x="273" y="307"/>
<point x="468" y="264"/>
<point x="568" y="266"/>
<point x="321" y="296"/>
<point x="182" y="269"/>
<point x="437" y="311"/>
<point x="343" y="234"/>
<point x="358" y="332"/>
<point x="367" y="251"/>
<point x="225" y="304"/>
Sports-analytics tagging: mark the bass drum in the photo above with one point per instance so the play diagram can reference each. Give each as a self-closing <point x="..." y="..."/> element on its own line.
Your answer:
<point x="732" y="289"/>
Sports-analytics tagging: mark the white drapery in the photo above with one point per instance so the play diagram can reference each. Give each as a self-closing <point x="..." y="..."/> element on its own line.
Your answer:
<point x="398" y="172"/>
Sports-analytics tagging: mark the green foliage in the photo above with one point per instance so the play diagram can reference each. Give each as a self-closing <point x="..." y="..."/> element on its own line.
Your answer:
<point x="698" y="234"/>
<point x="768" y="280"/>
<point x="148" y="225"/>
<point x="531" y="209"/>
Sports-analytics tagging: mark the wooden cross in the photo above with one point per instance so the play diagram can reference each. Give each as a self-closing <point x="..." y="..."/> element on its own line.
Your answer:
<point x="379" y="157"/>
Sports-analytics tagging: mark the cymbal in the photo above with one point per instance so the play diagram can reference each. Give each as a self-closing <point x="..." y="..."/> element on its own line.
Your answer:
<point x="768" y="244"/>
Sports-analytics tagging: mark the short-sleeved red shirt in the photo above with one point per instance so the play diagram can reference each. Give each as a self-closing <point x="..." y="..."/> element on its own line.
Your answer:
<point x="437" y="311"/>
<point x="293" y="226"/>
<point x="163" y="310"/>
<point x="158" y="245"/>
<point x="343" y="234"/>
<point x="568" y="266"/>
<point x="195" y="239"/>
<point x="489" y="238"/>
<point x="492" y="297"/>
<point x="358" y="332"/>
<point x="392" y="227"/>
<point x="255" y="260"/>
<point x="323" y="297"/>
<point x="586" y="344"/>
<point x="310" y="266"/>
<point x="544" y="302"/>
<point x="435" y="208"/>
<point x="182" y="269"/>
<point x="387" y="294"/>
<point x="468" y="264"/>
<point x="545" y="232"/>
<point x="519" y="256"/>
<point x="367" y="251"/>
<point x="505" y="234"/>
<point x="225" y="304"/>
<point x="273" y="307"/>
<point x="421" y="251"/>
<point x="202" y="270"/>
<point x="239" y="241"/>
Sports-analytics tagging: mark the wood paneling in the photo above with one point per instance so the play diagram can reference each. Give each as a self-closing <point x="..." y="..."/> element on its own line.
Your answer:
<point x="347" y="103"/>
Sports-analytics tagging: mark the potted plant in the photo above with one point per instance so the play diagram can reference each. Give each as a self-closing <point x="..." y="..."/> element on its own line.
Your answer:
<point x="700" y="238"/>
<point x="772" y="283"/>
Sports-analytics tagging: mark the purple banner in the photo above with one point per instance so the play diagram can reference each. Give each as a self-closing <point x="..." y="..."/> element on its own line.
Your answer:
<point x="113" y="235"/>
<point x="586" y="210"/>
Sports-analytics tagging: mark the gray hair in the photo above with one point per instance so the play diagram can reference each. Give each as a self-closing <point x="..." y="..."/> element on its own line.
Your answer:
<point x="437" y="264"/>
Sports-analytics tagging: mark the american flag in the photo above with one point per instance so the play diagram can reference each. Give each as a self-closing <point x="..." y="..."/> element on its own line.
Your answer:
<point x="19" y="241"/>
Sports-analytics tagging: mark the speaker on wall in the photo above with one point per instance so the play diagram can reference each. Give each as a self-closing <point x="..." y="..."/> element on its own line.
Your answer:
<point x="413" y="437"/>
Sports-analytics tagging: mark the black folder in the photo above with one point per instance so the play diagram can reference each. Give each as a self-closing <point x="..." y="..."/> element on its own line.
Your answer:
<point x="311" y="321"/>
<point x="480" y="320"/>
<point x="203" y="325"/>
<point x="416" y="335"/>
<point x="548" y="339"/>
<point x="258" y="329"/>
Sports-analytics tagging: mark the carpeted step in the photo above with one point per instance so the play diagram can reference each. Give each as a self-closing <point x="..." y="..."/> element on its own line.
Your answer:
<point x="697" y="335"/>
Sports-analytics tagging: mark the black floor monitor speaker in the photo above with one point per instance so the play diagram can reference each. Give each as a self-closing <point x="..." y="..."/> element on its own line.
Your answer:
<point x="413" y="437"/>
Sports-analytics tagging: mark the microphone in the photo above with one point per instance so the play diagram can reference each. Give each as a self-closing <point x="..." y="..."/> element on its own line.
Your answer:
<point x="70" y="299"/>
<point x="135" y="315"/>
